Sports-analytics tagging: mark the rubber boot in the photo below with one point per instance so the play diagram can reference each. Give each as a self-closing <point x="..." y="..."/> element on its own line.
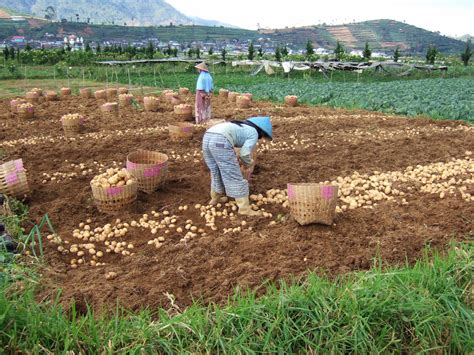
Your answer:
<point x="244" y="207"/>
<point x="217" y="198"/>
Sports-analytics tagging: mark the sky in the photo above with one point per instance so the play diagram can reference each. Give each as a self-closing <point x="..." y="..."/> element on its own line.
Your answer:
<point x="450" y="17"/>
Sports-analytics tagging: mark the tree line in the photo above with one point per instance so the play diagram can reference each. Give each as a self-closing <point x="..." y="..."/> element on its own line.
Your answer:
<point x="130" y="52"/>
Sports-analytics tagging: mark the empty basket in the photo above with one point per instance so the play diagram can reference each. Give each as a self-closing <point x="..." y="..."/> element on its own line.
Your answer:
<point x="149" y="168"/>
<point x="312" y="203"/>
<point x="181" y="130"/>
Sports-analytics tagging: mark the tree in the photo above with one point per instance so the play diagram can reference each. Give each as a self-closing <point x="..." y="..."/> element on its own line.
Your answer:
<point x="339" y="51"/>
<point x="27" y="47"/>
<point x="223" y="54"/>
<point x="251" y="54"/>
<point x="6" y="53"/>
<point x="175" y="52"/>
<point x="198" y="53"/>
<point x="278" y="54"/>
<point x="431" y="54"/>
<point x="190" y="52"/>
<point x="211" y="51"/>
<point x="466" y="55"/>
<point x="150" y="50"/>
<point x="396" y="55"/>
<point x="98" y="49"/>
<point x="260" y="51"/>
<point x="87" y="47"/>
<point x="367" y="53"/>
<point x="309" y="48"/>
<point x="284" y="51"/>
<point x="12" y="52"/>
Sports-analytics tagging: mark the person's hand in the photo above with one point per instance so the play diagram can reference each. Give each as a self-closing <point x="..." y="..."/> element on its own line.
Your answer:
<point x="247" y="170"/>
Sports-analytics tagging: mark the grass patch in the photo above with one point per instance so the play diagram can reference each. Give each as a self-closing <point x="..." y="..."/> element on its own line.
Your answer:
<point x="420" y="308"/>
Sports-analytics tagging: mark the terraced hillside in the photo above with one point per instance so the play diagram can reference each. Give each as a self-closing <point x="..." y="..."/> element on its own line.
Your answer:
<point x="380" y="34"/>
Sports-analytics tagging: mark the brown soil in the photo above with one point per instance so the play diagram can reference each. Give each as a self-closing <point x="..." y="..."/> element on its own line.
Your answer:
<point x="211" y="267"/>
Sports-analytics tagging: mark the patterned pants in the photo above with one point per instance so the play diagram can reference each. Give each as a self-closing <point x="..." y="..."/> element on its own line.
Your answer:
<point x="221" y="160"/>
<point x="203" y="107"/>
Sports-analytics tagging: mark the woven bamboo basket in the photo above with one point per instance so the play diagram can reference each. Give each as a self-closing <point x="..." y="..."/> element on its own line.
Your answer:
<point x="181" y="131"/>
<point x="38" y="91"/>
<point x="13" y="179"/>
<point x="26" y="112"/>
<point x="169" y="95"/>
<point x="100" y="95"/>
<point x="51" y="96"/>
<point x="312" y="203"/>
<point x="149" y="168"/>
<point x="72" y="127"/>
<point x="242" y="102"/>
<point x="85" y="93"/>
<point x="247" y="94"/>
<point x="66" y="92"/>
<point x="122" y="90"/>
<point x="112" y="199"/>
<point x="183" y="91"/>
<point x="152" y="104"/>
<point x="32" y="97"/>
<point x="232" y="97"/>
<point x="15" y="103"/>
<point x="183" y="112"/>
<point x="111" y="93"/>
<point x="291" y="100"/>
<point x="109" y="109"/>
<point x="125" y="100"/>
<point x="175" y="100"/>
<point x="223" y="93"/>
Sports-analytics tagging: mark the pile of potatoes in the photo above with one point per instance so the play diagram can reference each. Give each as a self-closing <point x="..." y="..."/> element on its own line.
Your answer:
<point x="71" y="117"/>
<point x="113" y="177"/>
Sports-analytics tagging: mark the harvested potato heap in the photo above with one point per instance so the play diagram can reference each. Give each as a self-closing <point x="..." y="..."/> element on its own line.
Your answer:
<point x="72" y="117"/>
<point x="25" y="106"/>
<point x="113" y="178"/>
<point x="38" y="91"/>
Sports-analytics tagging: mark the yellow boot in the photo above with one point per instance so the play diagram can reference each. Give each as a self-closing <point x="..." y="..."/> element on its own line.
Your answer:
<point x="245" y="209"/>
<point x="217" y="198"/>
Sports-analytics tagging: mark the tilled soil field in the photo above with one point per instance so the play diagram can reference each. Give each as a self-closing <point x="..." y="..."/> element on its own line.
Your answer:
<point x="428" y="203"/>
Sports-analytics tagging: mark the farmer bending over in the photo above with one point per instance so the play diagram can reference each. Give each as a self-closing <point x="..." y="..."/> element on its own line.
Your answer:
<point x="218" y="149"/>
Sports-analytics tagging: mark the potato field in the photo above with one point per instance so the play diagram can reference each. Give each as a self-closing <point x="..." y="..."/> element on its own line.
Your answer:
<point x="404" y="185"/>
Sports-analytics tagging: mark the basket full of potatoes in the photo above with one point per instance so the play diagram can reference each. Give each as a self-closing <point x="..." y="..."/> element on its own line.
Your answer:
<point x="114" y="190"/>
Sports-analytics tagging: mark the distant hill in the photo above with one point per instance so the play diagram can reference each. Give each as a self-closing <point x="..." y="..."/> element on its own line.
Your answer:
<point x="466" y="38"/>
<point x="382" y="35"/>
<point x="119" y="12"/>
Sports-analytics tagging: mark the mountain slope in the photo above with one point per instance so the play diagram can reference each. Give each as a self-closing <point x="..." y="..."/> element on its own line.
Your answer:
<point x="129" y="12"/>
<point x="380" y="34"/>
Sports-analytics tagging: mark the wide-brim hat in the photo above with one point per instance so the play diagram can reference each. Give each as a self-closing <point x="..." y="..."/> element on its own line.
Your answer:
<point x="202" y="66"/>
<point x="264" y="123"/>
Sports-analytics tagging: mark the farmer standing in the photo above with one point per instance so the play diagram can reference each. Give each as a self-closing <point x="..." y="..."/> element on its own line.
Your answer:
<point x="218" y="149"/>
<point x="204" y="88"/>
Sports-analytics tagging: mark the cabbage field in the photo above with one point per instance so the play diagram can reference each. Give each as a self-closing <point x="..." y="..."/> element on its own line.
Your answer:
<point x="436" y="98"/>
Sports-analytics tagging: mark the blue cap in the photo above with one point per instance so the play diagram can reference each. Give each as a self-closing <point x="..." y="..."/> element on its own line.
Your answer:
<point x="264" y="123"/>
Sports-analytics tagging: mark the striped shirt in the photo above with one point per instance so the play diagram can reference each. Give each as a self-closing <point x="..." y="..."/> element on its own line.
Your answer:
<point x="244" y="137"/>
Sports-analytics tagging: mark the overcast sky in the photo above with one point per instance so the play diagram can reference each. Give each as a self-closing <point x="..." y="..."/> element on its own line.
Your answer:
<point x="454" y="18"/>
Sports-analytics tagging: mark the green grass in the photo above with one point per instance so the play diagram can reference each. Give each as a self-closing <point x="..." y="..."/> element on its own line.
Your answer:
<point x="425" y="307"/>
<point x="422" y="308"/>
